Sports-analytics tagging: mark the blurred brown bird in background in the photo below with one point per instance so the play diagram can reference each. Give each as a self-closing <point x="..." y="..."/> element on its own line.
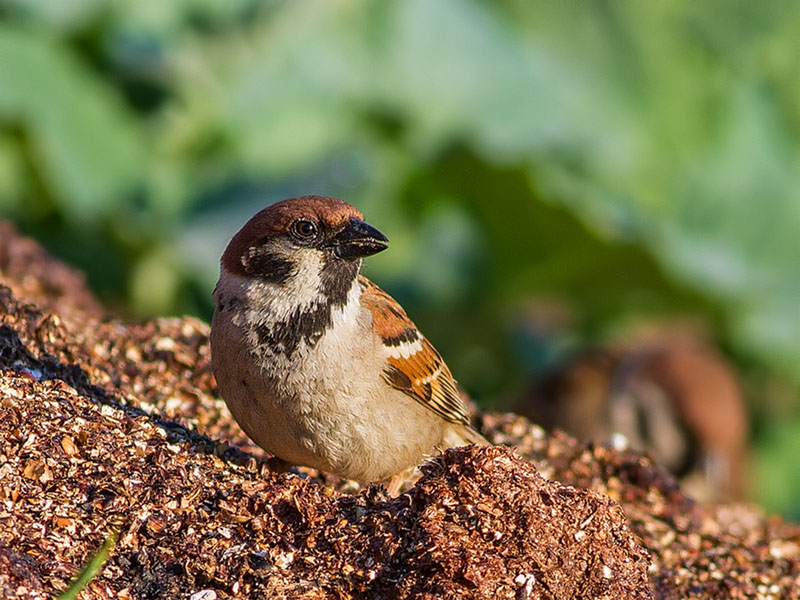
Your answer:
<point x="675" y="398"/>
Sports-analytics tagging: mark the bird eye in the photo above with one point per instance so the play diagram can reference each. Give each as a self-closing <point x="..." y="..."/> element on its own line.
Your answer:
<point x="304" y="229"/>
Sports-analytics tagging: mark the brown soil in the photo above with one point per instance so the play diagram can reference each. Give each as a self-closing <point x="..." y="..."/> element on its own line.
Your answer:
<point x="110" y="427"/>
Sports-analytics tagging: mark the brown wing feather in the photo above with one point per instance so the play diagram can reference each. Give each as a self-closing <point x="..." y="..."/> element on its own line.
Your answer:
<point x="423" y="375"/>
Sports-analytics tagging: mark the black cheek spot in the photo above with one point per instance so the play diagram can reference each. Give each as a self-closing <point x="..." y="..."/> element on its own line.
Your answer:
<point x="268" y="266"/>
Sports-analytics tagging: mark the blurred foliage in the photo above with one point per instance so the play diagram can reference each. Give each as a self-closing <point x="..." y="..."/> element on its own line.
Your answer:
<point x="622" y="159"/>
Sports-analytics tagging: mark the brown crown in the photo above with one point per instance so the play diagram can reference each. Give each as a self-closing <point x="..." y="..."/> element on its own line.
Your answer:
<point x="276" y="219"/>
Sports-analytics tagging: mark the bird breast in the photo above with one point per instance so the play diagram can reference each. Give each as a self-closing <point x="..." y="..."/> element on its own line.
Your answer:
<point x="315" y="398"/>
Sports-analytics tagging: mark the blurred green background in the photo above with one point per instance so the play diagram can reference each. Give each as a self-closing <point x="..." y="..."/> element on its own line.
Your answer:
<point x="619" y="161"/>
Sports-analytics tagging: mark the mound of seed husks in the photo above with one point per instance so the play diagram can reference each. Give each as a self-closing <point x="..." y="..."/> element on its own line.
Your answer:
<point x="110" y="429"/>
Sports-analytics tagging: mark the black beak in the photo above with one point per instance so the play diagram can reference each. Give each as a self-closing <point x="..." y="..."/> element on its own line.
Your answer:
<point x="357" y="240"/>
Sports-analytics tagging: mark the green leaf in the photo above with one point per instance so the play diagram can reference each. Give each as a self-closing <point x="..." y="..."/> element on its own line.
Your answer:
<point x="64" y="14"/>
<point x="11" y="175"/>
<point x="90" y="570"/>
<point x="84" y="144"/>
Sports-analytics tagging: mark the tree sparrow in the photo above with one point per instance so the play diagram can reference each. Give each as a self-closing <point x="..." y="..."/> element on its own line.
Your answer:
<point x="318" y="365"/>
<point x="677" y="399"/>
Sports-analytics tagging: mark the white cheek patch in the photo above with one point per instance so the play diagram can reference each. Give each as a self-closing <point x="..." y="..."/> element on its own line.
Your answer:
<point x="302" y="288"/>
<point x="279" y="302"/>
<point x="405" y="349"/>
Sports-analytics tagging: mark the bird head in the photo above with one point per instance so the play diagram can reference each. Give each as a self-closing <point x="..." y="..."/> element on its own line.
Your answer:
<point x="313" y="244"/>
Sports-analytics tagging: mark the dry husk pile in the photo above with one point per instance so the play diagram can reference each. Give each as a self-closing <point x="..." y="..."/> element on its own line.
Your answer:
<point x="108" y="427"/>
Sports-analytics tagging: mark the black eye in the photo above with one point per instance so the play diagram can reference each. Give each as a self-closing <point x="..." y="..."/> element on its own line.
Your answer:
<point x="304" y="229"/>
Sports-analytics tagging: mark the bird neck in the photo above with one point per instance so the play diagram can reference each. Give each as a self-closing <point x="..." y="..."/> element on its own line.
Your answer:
<point x="279" y="320"/>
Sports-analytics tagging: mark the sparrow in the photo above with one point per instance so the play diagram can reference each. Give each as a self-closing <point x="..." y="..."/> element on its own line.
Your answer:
<point x="318" y="365"/>
<point x="676" y="399"/>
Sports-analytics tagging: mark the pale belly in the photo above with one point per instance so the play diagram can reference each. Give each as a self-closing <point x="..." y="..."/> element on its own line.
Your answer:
<point x="318" y="415"/>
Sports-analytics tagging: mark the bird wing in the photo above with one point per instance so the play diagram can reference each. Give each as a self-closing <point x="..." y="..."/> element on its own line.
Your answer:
<point x="413" y="364"/>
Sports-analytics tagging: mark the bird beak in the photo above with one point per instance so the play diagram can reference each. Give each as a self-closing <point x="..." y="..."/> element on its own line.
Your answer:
<point x="357" y="240"/>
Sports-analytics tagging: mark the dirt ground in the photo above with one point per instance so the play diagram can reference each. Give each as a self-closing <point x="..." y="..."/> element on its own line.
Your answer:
<point x="111" y="427"/>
